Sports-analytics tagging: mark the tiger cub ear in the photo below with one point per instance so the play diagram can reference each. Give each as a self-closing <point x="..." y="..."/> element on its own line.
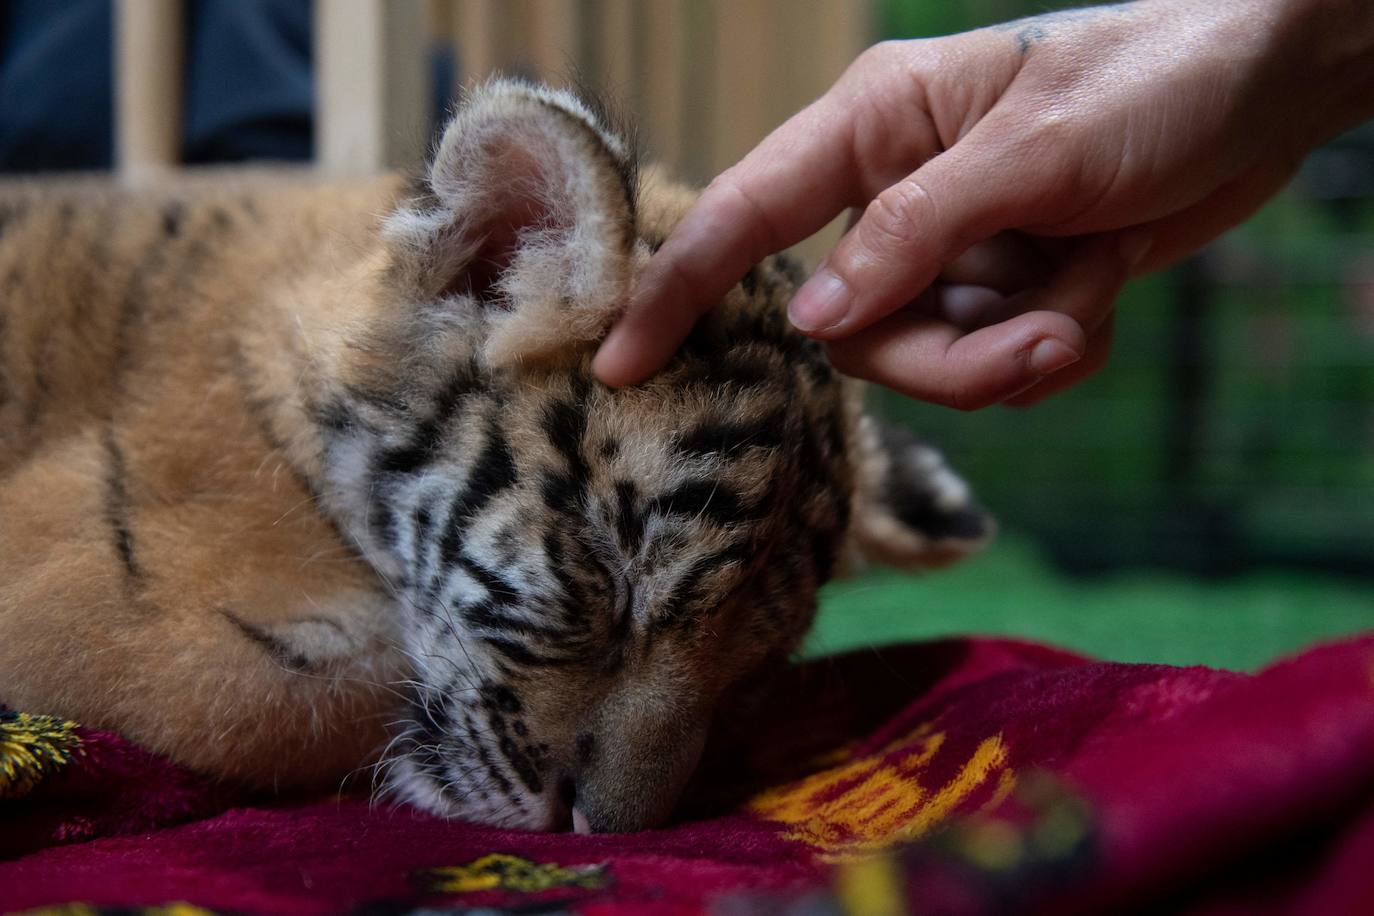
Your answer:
<point x="525" y="217"/>
<point x="911" y="509"/>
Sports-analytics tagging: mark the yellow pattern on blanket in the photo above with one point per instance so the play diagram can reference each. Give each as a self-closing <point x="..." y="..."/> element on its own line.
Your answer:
<point x="868" y="803"/>
<point x="32" y="747"/>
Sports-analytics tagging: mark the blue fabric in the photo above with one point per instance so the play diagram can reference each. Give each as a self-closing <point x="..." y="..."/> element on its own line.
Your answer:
<point x="248" y="82"/>
<point x="55" y="93"/>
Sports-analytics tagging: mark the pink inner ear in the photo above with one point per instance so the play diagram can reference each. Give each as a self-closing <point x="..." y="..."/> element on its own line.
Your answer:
<point x="516" y="202"/>
<point x="481" y="276"/>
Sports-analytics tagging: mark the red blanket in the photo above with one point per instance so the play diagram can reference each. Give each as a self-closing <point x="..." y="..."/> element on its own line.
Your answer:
<point x="962" y="777"/>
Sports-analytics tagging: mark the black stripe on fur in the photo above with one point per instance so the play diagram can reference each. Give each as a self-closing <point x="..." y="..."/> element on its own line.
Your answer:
<point x="117" y="506"/>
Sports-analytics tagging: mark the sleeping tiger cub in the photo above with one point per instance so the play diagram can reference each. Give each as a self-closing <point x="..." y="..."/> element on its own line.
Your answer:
<point x="293" y="474"/>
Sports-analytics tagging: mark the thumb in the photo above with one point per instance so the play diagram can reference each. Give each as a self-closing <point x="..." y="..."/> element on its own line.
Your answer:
<point x="909" y="232"/>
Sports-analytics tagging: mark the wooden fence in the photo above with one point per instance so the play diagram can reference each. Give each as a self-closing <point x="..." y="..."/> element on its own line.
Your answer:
<point x="703" y="79"/>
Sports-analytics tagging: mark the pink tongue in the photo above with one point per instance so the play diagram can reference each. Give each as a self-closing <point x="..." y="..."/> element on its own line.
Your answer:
<point x="580" y="824"/>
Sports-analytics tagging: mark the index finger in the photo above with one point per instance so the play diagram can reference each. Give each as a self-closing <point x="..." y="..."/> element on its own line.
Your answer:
<point x="793" y="183"/>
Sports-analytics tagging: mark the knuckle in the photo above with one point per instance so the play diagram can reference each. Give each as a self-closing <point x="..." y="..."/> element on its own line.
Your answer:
<point x="1053" y="130"/>
<point x="961" y="397"/>
<point x="724" y="185"/>
<point x="681" y="281"/>
<point x="953" y="398"/>
<point x="898" y="213"/>
<point x="762" y="236"/>
<point x="880" y="56"/>
<point x="950" y="388"/>
<point x="1047" y="143"/>
<point x="680" y="296"/>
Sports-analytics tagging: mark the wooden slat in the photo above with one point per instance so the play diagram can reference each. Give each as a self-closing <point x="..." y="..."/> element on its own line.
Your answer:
<point x="696" y="73"/>
<point x="482" y="32"/>
<point x="372" y="84"/>
<point x="704" y="80"/>
<point x="740" y="109"/>
<point x="658" y="72"/>
<point x="608" y="49"/>
<point x="805" y="75"/>
<point x="149" y="58"/>
<point x="773" y="58"/>
<point x="441" y="17"/>
<point x="838" y="31"/>
<point x="844" y="30"/>
<point x="554" y="35"/>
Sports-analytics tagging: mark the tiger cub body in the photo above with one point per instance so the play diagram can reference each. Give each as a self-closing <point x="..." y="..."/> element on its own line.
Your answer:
<point x="290" y="473"/>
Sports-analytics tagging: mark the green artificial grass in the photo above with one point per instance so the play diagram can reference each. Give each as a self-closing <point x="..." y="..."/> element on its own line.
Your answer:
<point x="1241" y="622"/>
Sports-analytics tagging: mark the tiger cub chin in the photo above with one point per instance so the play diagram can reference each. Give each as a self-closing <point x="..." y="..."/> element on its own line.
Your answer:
<point x="295" y="476"/>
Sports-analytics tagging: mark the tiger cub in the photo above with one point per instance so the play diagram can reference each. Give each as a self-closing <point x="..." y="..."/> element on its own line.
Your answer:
<point x="290" y="474"/>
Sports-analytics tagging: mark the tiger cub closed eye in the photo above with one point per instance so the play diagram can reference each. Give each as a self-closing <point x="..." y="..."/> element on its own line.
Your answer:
<point x="283" y="464"/>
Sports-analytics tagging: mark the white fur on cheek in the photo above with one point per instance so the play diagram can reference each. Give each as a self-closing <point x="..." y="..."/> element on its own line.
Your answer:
<point x="348" y="466"/>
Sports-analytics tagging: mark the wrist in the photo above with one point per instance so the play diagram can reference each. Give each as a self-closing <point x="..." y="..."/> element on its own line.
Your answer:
<point x="1324" y="54"/>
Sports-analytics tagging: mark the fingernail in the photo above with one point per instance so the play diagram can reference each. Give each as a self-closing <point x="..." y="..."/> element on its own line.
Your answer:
<point x="1050" y="355"/>
<point x="821" y="303"/>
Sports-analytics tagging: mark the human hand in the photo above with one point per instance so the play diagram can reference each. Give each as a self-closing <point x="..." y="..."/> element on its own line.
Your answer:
<point x="1012" y="178"/>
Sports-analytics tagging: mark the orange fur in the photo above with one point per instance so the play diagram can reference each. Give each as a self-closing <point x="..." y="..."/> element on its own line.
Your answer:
<point x="203" y="390"/>
<point x="124" y="320"/>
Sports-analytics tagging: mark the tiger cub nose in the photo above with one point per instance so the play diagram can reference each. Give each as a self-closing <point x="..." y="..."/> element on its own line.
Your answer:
<point x="636" y="792"/>
<point x="628" y="763"/>
<point x="570" y="816"/>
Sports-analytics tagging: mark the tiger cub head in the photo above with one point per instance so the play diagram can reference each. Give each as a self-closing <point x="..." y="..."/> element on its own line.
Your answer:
<point x="582" y="572"/>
